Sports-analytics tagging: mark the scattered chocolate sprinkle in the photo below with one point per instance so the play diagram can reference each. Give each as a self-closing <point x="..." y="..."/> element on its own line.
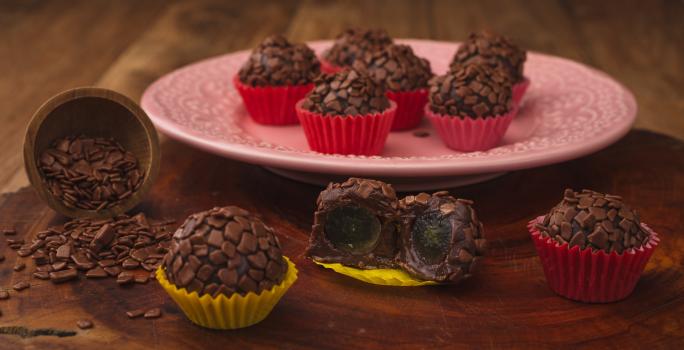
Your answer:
<point x="153" y="313"/>
<point x="4" y="295"/>
<point x="9" y="231"/>
<point x="19" y="267"/>
<point x="21" y="285"/>
<point x="90" y="173"/>
<point x="84" y="324"/>
<point x="276" y="62"/>
<point x="135" y="313"/>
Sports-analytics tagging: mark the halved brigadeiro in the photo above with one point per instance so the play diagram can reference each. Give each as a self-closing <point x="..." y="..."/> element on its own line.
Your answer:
<point x="442" y="238"/>
<point x="224" y="251"/>
<point x="355" y="224"/>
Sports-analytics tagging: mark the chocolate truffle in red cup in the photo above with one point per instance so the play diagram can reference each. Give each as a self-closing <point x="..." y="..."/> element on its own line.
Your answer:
<point x="276" y="75"/>
<point x="471" y="107"/>
<point x="593" y="247"/>
<point x="225" y="269"/>
<point x="346" y="113"/>
<point x="406" y="78"/>
<point x="353" y="44"/>
<point x="499" y="52"/>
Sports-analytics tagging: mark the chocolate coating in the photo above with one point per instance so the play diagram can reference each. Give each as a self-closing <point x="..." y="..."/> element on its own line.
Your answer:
<point x="361" y="208"/>
<point x="223" y="251"/>
<point x="494" y="50"/>
<point x="348" y="92"/>
<point x="354" y="43"/>
<point x="590" y="219"/>
<point x="277" y="62"/>
<point x="474" y="90"/>
<point x="397" y="67"/>
<point x="441" y="239"/>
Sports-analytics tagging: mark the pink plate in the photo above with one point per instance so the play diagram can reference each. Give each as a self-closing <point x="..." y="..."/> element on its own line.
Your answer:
<point x="570" y="110"/>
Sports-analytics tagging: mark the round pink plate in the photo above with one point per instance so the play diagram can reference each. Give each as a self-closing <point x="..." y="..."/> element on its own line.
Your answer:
<point x="570" y="110"/>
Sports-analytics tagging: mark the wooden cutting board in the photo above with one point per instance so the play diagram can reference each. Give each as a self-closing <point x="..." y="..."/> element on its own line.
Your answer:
<point x="507" y="305"/>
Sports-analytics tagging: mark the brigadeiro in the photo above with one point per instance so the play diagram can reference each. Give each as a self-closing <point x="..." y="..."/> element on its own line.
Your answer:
<point x="442" y="238"/>
<point x="346" y="113"/>
<point x="355" y="225"/>
<point x="225" y="261"/>
<point x="471" y="107"/>
<point x="593" y="247"/>
<point x="499" y="52"/>
<point x="276" y="75"/>
<point x="353" y="44"/>
<point x="406" y="78"/>
<point x="361" y="224"/>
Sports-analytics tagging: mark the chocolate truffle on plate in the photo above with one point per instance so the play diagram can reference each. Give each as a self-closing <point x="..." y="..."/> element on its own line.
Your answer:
<point x="277" y="62"/>
<point x="397" y="67"/>
<point x="347" y="113"/>
<point x="473" y="90"/>
<point x="225" y="251"/>
<point x="349" y="92"/>
<point x="494" y="50"/>
<point x="594" y="220"/>
<point x="274" y="78"/>
<point x="442" y="238"/>
<point x="352" y="44"/>
<point x="355" y="224"/>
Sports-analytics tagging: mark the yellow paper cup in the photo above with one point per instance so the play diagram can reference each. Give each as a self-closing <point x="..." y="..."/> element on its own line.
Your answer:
<point x="224" y="312"/>
<point x="383" y="277"/>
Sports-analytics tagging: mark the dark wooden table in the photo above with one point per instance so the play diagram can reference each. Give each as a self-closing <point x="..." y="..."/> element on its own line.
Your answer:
<point x="50" y="46"/>
<point x="507" y="305"/>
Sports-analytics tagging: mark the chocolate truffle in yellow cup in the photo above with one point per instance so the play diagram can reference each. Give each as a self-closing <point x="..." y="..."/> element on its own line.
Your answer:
<point x="225" y="269"/>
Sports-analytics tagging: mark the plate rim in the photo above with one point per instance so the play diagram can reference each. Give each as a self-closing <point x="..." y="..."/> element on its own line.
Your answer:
<point x="336" y="164"/>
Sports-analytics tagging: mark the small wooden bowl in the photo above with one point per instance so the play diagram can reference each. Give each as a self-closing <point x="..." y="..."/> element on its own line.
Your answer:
<point x="94" y="112"/>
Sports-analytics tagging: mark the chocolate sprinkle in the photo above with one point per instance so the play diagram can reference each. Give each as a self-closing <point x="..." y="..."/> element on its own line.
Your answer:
<point x="223" y="251"/>
<point x="592" y="220"/>
<point x="348" y="92"/>
<point x="472" y="91"/>
<point x="354" y="43"/>
<point x="495" y="51"/>
<point x="90" y="173"/>
<point x="277" y="62"/>
<point x="397" y="67"/>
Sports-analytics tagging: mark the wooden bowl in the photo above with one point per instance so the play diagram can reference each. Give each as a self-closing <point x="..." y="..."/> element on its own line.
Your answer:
<point x="94" y="112"/>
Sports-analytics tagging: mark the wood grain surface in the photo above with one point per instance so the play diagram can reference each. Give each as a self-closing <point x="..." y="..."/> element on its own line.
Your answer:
<point x="50" y="46"/>
<point x="506" y="305"/>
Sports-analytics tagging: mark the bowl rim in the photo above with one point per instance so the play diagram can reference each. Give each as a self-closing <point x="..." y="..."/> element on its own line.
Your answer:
<point x="44" y="111"/>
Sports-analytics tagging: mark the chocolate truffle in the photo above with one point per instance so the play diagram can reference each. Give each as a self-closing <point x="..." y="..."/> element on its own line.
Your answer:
<point x="494" y="50"/>
<point x="348" y="92"/>
<point x="353" y="43"/>
<point x="397" y="67"/>
<point x="594" y="220"/>
<point x="441" y="238"/>
<point x="355" y="224"/>
<point x="277" y="62"/>
<point x="224" y="251"/>
<point x="474" y="90"/>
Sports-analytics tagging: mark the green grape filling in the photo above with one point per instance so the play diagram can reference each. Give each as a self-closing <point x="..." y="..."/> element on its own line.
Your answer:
<point x="353" y="229"/>
<point x="431" y="234"/>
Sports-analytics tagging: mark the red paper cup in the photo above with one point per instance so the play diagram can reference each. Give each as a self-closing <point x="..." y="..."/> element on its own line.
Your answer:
<point x="519" y="90"/>
<point x="470" y="134"/>
<point x="590" y="277"/>
<point x="272" y="105"/>
<point x="329" y="68"/>
<point x="357" y="134"/>
<point x="410" y="105"/>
